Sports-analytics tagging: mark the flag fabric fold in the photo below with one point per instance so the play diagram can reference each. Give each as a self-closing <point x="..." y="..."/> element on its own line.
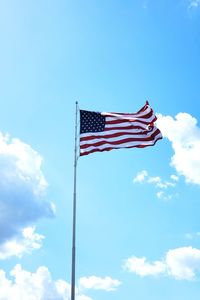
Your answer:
<point x="107" y="131"/>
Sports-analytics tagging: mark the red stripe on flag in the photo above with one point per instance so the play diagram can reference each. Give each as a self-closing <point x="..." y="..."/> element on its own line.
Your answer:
<point x="122" y="130"/>
<point x="111" y="148"/>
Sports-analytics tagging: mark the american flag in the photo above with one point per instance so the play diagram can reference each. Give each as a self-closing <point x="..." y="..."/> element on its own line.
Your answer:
<point x="106" y="131"/>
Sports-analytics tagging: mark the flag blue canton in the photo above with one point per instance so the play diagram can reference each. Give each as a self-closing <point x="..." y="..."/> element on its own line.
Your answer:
<point x="91" y="121"/>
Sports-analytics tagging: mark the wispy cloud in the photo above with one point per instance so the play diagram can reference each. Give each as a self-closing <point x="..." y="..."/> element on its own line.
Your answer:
<point x="22" y="195"/>
<point x="143" y="177"/>
<point x="191" y="236"/>
<point x="180" y="263"/>
<point x="184" y="134"/>
<point x="140" y="176"/>
<point x="193" y="4"/>
<point x="158" y="182"/>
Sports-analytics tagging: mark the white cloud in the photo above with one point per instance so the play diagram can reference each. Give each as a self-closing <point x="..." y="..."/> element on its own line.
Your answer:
<point x="181" y="264"/>
<point x="83" y="297"/>
<point x="184" y="134"/>
<point x="25" y="285"/>
<point x="141" y="176"/>
<point x="165" y="196"/>
<point x="141" y="267"/>
<point x="158" y="182"/>
<point x="99" y="283"/>
<point x="22" y="196"/>
<point x="24" y="243"/>
<point x="160" y="194"/>
<point x="174" y="177"/>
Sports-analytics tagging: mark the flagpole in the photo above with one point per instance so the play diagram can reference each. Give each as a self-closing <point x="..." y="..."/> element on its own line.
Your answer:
<point x="73" y="270"/>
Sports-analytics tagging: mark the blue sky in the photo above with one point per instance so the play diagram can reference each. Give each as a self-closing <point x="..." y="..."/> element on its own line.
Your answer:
<point x="138" y="228"/>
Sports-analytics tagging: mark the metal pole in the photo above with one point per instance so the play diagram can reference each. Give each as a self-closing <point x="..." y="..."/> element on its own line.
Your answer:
<point x="73" y="271"/>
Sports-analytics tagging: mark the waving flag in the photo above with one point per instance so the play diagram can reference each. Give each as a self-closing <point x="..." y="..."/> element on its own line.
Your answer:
<point x="106" y="131"/>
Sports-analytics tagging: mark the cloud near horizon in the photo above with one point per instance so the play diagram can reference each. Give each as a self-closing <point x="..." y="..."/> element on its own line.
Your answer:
<point x="22" y="195"/>
<point x="32" y="286"/>
<point x="180" y="263"/>
<point x="25" y="285"/>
